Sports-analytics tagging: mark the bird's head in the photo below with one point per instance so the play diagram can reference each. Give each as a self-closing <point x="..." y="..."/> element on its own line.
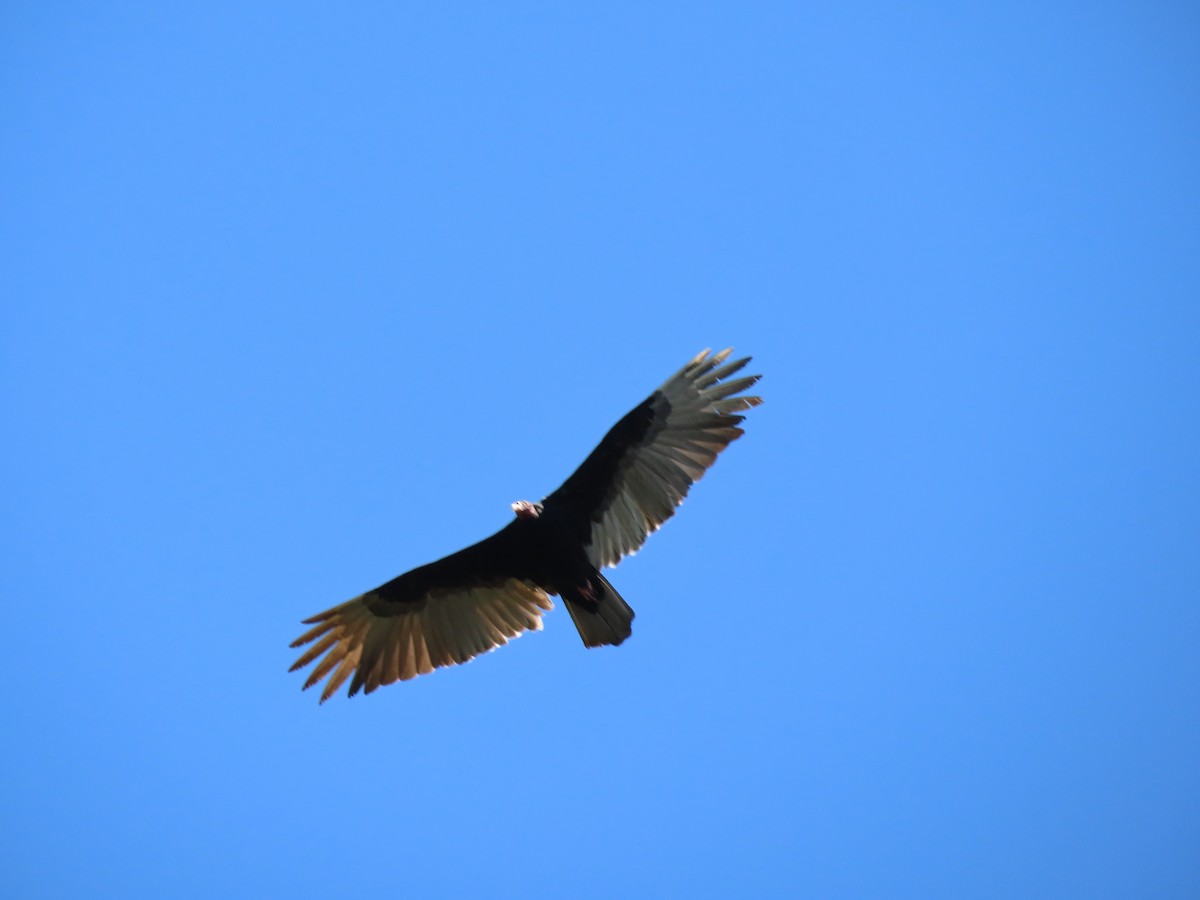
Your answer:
<point x="526" y="510"/>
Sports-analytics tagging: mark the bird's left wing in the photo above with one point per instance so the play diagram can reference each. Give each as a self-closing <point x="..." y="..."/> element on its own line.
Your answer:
<point x="437" y="615"/>
<point x="637" y="476"/>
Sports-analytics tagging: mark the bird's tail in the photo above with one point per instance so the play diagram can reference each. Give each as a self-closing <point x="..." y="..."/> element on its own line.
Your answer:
<point x="599" y="612"/>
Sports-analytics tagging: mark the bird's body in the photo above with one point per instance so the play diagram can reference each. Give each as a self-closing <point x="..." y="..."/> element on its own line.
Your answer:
<point x="474" y="600"/>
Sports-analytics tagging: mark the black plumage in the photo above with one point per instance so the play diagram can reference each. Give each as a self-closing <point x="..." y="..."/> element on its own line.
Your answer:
<point x="477" y="599"/>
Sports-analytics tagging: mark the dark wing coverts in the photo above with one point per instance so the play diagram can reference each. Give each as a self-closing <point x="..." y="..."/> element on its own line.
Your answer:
<point x="646" y="464"/>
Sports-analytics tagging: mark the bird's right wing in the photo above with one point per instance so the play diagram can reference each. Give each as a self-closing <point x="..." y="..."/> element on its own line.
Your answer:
<point x="437" y="615"/>
<point x="637" y="476"/>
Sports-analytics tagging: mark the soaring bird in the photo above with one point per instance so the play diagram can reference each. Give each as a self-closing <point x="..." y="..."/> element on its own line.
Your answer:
<point x="475" y="600"/>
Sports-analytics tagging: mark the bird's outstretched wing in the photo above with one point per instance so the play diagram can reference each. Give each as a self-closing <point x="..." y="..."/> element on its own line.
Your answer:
<point x="634" y="480"/>
<point x="437" y="615"/>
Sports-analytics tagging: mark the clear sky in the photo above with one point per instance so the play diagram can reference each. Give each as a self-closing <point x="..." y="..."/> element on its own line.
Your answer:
<point x="298" y="296"/>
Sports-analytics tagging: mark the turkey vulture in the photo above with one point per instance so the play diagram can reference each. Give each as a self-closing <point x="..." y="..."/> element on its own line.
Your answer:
<point x="476" y="599"/>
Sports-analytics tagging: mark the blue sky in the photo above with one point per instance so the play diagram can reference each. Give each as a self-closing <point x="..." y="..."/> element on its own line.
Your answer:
<point x="298" y="297"/>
